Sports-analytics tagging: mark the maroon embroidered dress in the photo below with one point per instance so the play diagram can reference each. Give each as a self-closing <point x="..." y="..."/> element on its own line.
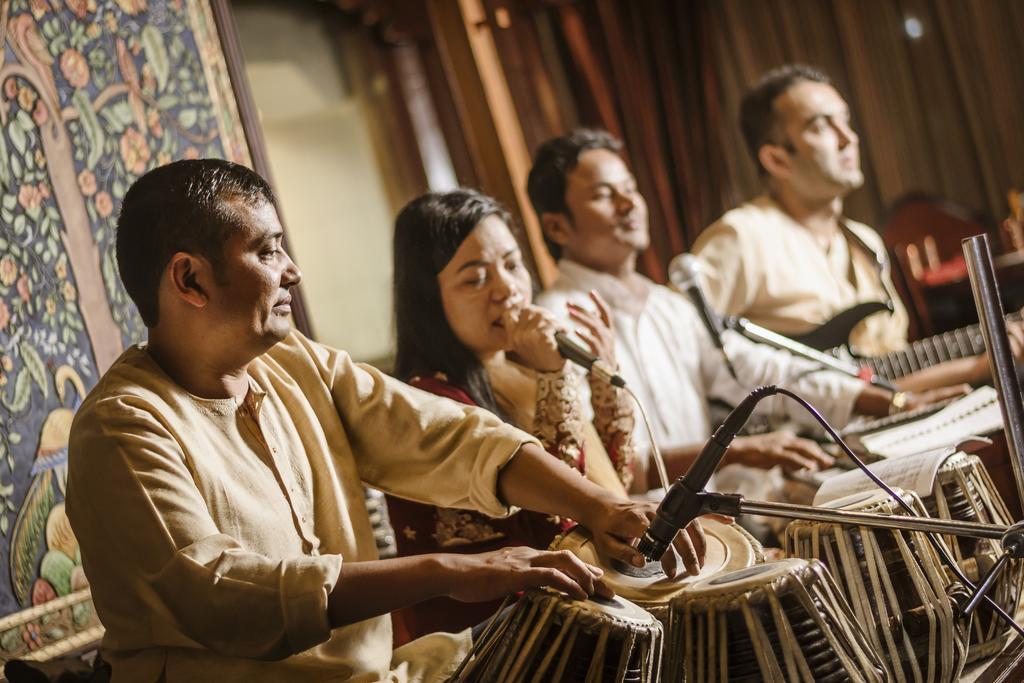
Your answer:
<point x="423" y="529"/>
<point x="554" y="417"/>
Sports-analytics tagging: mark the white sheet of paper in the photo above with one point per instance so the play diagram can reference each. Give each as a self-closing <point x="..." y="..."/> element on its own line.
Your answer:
<point x="910" y="473"/>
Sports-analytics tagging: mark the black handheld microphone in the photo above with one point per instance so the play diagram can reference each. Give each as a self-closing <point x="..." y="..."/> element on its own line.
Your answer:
<point x="684" y="272"/>
<point x="572" y="351"/>
<point x="682" y="503"/>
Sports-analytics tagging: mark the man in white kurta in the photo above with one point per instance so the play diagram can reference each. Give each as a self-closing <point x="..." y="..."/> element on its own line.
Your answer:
<point x="764" y="266"/>
<point x="668" y="359"/>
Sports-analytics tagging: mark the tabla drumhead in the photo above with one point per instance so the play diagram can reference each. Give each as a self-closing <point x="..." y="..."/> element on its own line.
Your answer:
<point x="617" y="608"/>
<point x="728" y="548"/>
<point x="751" y="577"/>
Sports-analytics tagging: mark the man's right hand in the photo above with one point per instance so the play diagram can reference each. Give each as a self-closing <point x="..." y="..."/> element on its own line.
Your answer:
<point x="789" y="451"/>
<point x="493" y="575"/>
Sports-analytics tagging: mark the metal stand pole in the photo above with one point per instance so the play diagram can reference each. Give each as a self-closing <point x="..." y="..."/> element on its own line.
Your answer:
<point x="732" y="504"/>
<point x="1000" y="356"/>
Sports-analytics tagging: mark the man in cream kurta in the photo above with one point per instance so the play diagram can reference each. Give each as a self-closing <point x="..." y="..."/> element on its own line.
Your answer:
<point x="232" y="509"/>
<point x="790" y="260"/>
<point x="763" y="265"/>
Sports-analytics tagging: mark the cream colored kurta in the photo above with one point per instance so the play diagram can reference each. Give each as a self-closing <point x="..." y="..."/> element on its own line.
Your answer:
<point x="212" y="532"/>
<point x="766" y="267"/>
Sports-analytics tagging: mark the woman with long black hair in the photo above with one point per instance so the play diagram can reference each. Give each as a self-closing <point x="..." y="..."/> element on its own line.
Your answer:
<point x="467" y="329"/>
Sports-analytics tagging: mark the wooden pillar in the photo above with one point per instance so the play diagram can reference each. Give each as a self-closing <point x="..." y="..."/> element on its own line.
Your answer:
<point x="487" y="114"/>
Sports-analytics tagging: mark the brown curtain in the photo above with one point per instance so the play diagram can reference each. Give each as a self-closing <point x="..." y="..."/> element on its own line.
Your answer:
<point x="940" y="113"/>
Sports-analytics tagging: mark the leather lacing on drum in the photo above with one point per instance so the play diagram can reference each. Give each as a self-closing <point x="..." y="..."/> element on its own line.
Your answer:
<point x="964" y="491"/>
<point x="896" y="586"/>
<point x="547" y="639"/>
<point x="793" y="627"/>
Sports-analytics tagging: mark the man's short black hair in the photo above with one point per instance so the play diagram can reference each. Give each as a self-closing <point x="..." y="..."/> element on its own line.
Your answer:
<point x="183" y="206"/>
<point x="554" y="160"/>
<point x="757" y="111"/>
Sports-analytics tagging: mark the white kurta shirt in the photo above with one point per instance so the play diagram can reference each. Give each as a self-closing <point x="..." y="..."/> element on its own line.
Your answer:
<point x="668" y="359"/>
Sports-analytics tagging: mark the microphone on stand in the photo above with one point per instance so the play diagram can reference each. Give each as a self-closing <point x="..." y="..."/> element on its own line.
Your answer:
<point x="682" y="504"/>
<point x="572" y="351"/>
<point x="684" y="272"/>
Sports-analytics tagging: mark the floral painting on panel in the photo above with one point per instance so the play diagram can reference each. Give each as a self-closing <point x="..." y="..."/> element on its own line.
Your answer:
<point x="93" y="93"/>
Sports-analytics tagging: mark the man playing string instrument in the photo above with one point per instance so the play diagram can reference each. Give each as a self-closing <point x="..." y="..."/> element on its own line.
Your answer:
<point x="789" y="260"/>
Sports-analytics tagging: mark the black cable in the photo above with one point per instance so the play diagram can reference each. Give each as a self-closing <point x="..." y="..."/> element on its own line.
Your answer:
<point x="940" y="548"/>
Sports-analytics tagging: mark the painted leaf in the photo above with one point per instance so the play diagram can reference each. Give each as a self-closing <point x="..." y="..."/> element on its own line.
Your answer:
<point x="18" y="137"/>
<point x="188" y="118"/>
<point x="56" y="568"/>
<point x="22" y="392"/>
<point x="35" y="366"/>
<point x="5" y="172"/>
<point x="91" y="125"/>
<point x="156" y="54"/>
<point x="27" y="537"/>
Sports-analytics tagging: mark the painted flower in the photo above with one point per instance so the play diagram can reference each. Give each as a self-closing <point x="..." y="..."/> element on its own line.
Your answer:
<point x="111" y="22"/>
<point x="40" y="115"/>
<point x="3" y="380"/>
<point x="104" y="204"/>
<point x="11" y="88"/>
<point x="93" y="31"/>
<point x="8" y="271"/>
<point x="32" y="637"/>
<point x="80" y="8"/>
<point x="191" y="153"/>
<point x="44" y="190"/>
<point x="87" y="182"/>
<point x="51" y="305"/>
<point x="39" y="8"/>
<point x="153" y="121"/>
<point x="69" y="292"/>
<point x="29" y="197"/>
<point x="163" y="158"/>
<point x="40" y="159"/>
<point x="148" y="78"/>
<point x="26" y="98"/>
<point x="134" y="151"/>
<point x="75" y="68"/>
<point x="24" y="290"/>
<point x="61" y="269"/>
<point x="6" y="363"/>
<point x="5" y="314"/>
<point x="131" y="6"/>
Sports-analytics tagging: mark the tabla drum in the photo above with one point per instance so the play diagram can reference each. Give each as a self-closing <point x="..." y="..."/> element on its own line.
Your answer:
<point x="895" y="584"/>
<point x="963" y="490"/>
<point x="729" y="547"/>
<point x="779" y="621"/>
<point x="550" y="638"/>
